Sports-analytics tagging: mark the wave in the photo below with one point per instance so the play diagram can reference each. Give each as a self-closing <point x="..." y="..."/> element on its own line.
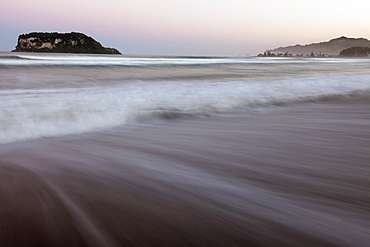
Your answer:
<point x="30" y="114"/>
<point x="12" y="57"/>
<point x="81" y="60"/>
<point x="114" y="60"/>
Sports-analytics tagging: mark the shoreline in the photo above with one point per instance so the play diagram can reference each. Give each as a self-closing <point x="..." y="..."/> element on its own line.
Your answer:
<point x="297" y="176"/>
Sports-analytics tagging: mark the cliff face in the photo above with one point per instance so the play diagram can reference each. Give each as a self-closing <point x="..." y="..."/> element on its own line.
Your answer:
<point x="61" y="43"/>
<point x="332" y="47"/>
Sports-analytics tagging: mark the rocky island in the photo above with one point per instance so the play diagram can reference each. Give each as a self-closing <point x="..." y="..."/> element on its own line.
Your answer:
<point x="61" y="43"/>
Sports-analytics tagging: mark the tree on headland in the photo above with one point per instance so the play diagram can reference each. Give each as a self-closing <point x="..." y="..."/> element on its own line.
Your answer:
<point x="272" y="54"/>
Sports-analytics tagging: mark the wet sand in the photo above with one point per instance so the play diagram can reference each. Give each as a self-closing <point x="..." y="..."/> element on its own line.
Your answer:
<point x="292" y="176"/>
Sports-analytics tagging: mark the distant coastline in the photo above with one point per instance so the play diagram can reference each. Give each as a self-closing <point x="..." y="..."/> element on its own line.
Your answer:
<point x="338" y="47"/>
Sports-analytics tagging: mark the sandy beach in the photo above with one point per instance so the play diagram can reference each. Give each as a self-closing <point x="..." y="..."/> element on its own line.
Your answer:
<point x="293" y="176"/>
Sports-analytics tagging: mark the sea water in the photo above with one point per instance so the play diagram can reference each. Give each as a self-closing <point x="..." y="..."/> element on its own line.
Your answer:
<point x="183" y="151"/>
<point x="46" y="95"/>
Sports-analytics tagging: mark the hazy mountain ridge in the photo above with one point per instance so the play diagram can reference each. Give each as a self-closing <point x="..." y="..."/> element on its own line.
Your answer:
<point x="329" y="48"/>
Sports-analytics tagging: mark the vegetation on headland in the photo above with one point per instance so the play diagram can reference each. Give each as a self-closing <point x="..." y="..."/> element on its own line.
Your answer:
<point x="287" y="54"/>
<point x="61" y="43"/>
<point x="355" y="52"/>
<point x="350" y="52"/>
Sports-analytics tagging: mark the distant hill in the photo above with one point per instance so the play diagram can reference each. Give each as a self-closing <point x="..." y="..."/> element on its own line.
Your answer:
<point x="329" y="48"/>
<point x="61" y="43"/>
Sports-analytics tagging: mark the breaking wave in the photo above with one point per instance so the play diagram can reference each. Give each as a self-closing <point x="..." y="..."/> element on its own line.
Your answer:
<point x="115" y="60"/>
<point x="29" y="114"/>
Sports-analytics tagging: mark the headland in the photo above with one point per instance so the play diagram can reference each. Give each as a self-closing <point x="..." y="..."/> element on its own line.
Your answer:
<point x="338" y="47"/>
<point x="61" y="43"/>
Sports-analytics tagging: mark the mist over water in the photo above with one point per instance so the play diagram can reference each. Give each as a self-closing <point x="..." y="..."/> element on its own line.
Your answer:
<point x="182" y="151"/>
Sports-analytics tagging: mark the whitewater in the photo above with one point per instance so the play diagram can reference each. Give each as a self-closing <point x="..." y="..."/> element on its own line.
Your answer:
<point x="44" y="95"/>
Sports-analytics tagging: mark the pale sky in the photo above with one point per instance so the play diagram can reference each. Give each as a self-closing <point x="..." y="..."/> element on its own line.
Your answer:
<point x="191" y="27"/>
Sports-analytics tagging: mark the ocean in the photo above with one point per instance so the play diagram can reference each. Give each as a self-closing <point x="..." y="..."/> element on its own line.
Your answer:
<point x="110" y="150"/>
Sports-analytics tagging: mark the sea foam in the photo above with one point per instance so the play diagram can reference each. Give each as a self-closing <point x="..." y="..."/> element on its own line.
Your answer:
<point x="114" y="60"/>
<point x="30" y="114"/>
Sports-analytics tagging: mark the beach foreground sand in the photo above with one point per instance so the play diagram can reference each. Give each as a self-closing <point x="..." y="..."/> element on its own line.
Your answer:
<point x="293" y="176"/>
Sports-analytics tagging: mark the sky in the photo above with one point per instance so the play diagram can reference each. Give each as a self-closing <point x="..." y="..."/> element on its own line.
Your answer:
<point x="188" y="27"/>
